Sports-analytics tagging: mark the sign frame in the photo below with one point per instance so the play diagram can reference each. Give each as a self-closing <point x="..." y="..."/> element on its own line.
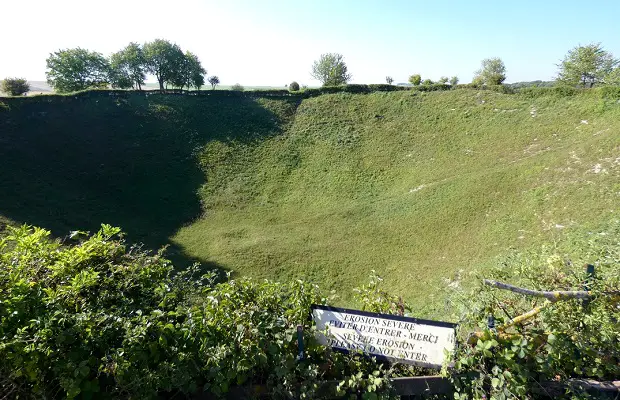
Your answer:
<point x="440" y="324"/>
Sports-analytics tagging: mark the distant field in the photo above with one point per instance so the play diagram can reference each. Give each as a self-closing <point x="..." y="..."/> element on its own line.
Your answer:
<point x="416" y="186"/>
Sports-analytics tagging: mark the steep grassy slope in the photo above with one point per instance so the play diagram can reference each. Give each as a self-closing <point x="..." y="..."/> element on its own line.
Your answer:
<point x="74" y="162"/>
<point x="414" y="185"/>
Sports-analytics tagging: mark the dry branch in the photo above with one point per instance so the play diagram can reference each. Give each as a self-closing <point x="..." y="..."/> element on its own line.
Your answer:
<point x="552" y="296"/>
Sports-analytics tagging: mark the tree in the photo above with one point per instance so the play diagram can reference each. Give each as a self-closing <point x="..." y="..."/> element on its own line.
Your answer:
<point x="586" y="66"/>
<point x="331" y="70"/>
<point x="427" y="82"/>
<point x="214" y="81"/>
<point x="14" y="86"/>
<point x="492" y="72"/>
<point x="128" y="67"/>
<point x="294" y="86"/>
<point x="443" y="80"/>
<point x="77" y="69"/>
<point x="190" y="72"/>
<point x="164" y="60"/>
<point x="389" y="80"/>
<point x="454" y="81"/>
<point x="237" y="87"/>
<point x="415" y="80"/>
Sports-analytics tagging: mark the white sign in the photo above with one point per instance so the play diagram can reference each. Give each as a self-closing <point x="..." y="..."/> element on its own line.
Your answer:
<point x="401" y="339"/>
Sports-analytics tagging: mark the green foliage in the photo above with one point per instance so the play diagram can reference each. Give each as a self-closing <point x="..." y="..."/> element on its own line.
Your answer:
<point x="492" y="72"/>
<point x="165" y="60"/>
<point x="427" y="82"/>
<point x="443" y="80"/>
<point x="331" y="70"/>
<point x="128" y="67"/>
<point x="293" y="87"/>
<point x="76" y="69"/>
<point x="389" y="80"/>
<point x="214" y="81"/>
<point x="586" y="66"/>
<point x="568" y="339"/>
<point x="454" y="81"/>
<point x="14" y="86"/>
<point x="415" y="80"/>
<point x="95" y="318"/>
<point x="237" y="87"/>
<point x="190" y="73"/>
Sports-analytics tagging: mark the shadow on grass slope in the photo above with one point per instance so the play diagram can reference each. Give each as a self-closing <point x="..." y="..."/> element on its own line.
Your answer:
<point x="75" y="162"/>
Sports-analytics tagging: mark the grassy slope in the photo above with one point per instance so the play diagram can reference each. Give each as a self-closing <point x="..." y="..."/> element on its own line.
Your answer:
<point x="413" y="185"/>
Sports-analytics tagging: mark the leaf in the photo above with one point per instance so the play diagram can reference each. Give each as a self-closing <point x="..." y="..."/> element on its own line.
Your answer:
<point x="495" y="382"/>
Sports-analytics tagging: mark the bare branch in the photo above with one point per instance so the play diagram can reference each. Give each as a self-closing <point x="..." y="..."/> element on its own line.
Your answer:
<point x="552" y="296"/>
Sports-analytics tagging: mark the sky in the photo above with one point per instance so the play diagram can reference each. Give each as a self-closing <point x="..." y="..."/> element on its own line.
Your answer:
<point x="273" y="42"/>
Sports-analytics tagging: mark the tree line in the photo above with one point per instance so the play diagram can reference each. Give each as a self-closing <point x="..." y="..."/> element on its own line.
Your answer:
<point x="583" y="66"/>
<point x="78" y="69"/>
<point x="70" y="70"/>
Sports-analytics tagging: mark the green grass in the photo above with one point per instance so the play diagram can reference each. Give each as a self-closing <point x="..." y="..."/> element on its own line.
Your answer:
<point x="413" y="185"/>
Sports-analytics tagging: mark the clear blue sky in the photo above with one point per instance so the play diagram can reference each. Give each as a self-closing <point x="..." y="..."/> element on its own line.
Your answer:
<point x="273" y="42"/>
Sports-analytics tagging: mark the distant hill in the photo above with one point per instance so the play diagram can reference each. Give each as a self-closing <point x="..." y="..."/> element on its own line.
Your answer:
<point x="417" y="186"/>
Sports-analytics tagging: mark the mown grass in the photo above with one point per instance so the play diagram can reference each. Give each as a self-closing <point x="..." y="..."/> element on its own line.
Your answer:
<point x="416" y="186"/>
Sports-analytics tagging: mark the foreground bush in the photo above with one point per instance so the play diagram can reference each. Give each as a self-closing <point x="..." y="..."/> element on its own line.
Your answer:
<point x="14" y="86"/>
<point x="94" y="318"/>
<point x="562" y="341"/>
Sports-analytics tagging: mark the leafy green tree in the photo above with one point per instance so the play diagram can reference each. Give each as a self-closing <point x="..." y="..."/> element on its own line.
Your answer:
<point x="443" y="80"/>
<point x="190" y="73"/>
<point x="492" y="72"/>
<point x="427" y="82"/>
<point x="214" y="81"/>
<point x="454" y="81"/>
<point x="389" y="80"/>
<point x="331" y="70"/>
<point x="294" y="86"/>
<point x="415" y="80"/>
<point x="14" y="86"/>
<point x="165" y="60"/>
<point x="77" y="69"/>
<point x="586" y="66"/>
<point x="128" y="67"/>
<point x="237" y="87"/>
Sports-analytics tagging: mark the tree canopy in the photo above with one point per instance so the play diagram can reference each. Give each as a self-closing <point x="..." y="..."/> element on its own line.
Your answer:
<point x="190" y="72"/>
<point x="164" y="60"/>
<point x="214" y="81"/>
<point x="587" y="65"/>
<point x="331" y="70"/>
<point x="491" y="72"/>
<point x="415" y="80"/>
<point x="14" y="86"/>
<point x="128" y="67"/>
<point x="77" y="69"/>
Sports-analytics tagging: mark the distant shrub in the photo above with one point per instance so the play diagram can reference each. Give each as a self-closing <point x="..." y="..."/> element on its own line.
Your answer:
<point x="389" y="80"/>
<point x="14" y="86"/>
<point x="454" y="81"/>
<point x="293" y="87"/>
<point x="609" y="92"/>
<point x="427" y="82"/>
<point x="237" y="87"/>
<point x="415" y="80"/>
